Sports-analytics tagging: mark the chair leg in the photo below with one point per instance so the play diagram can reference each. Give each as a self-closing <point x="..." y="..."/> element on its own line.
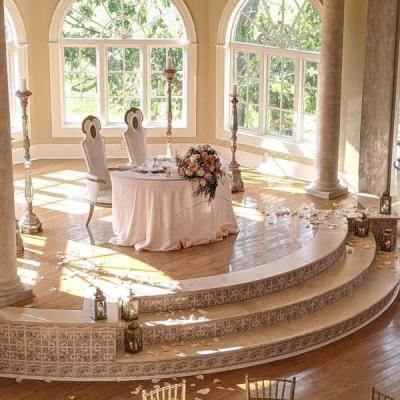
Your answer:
<point x="90" y="214"/>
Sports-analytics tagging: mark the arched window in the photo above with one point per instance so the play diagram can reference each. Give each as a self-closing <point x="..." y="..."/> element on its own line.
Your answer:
<point x="112" y="56"/>
<point x="274" y="50"/>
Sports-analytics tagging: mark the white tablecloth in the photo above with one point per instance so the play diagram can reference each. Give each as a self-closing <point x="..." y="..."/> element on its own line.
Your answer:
<point x="159" y="213"/>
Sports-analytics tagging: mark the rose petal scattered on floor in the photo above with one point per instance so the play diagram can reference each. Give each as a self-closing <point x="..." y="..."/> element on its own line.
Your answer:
<point x="203" y="391"/>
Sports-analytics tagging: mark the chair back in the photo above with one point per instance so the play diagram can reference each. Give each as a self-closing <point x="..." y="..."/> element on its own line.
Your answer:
<point x="170" y="392"/>
<point x="93" y="146"/>
<point x="268" y="389"/>
<point x="375" y="395"/>
<point x="135" y="137"/>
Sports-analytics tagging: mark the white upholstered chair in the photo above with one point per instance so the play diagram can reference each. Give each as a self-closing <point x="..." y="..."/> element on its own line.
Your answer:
<point x="98" y="179"/>
<point x="135" y="137"/>
<point x="169" y="392"/>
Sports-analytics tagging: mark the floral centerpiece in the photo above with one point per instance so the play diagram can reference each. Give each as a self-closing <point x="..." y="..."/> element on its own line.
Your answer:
<point x="201" y="166"/>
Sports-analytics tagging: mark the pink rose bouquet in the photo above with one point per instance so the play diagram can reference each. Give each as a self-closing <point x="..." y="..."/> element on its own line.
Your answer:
<point x="201" y="165"/>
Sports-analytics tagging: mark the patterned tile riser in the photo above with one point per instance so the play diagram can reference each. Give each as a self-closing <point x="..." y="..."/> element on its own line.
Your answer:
<point x="49" y="345"/>
<point x="202" y="330"/>
<point x="233" y="294"/>
<point x="377" y="227"/>
<point x="235" y="359"/>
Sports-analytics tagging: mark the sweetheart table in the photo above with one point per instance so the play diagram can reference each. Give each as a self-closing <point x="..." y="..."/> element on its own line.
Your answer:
<point x="159" y="213"/>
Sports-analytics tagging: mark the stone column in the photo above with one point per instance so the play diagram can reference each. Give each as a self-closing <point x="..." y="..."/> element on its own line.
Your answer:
<point x="325" y="183"/>
<point x="11" y="289"/>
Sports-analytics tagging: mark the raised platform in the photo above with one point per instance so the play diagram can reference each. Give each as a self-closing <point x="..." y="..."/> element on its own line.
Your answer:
<point x="327" y="286"/>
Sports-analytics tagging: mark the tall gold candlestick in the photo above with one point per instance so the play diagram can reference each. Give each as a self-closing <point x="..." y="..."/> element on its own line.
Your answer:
<point x="234" y="166"/>
<point x="169" y="74"/>
<point x="29" y="223"/>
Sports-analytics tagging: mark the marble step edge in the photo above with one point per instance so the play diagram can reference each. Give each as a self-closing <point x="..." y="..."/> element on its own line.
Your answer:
<point x="261" y="354"/>
<point x="234" y="351"/>
<point x="262" y="315"/>
<point x="231" y="293"/>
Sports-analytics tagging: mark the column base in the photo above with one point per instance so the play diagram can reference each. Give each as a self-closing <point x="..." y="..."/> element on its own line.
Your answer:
<point x="22" y="294"/>
<point x="326" y="194"/>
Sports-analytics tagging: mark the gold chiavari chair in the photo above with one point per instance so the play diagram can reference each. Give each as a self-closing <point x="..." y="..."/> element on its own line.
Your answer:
<point x="169" y="392"/>
<point x="375" y="395"/>
<point x="270" y="389"/>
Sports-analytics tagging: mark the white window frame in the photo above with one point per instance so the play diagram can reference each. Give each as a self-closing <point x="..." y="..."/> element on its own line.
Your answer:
<point x="56" y="50"/>
<point x="17" y="63"/>
<point x="225" y="65"/>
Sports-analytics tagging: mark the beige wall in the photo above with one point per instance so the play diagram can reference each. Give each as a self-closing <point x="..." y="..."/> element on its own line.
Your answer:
<point x="206" y="14"/>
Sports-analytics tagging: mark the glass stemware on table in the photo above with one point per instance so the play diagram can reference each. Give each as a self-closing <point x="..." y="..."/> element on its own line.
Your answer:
<point x="156" y="166"/>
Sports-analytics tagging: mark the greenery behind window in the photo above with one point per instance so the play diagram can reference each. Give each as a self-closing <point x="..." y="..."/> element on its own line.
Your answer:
<point x="276" y="46"/>
<point x="114" y="54"/>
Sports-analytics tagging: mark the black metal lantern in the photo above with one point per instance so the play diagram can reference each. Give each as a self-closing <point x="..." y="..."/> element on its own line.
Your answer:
<point x="129" y="307"/>
<point x="385" y="204"/>
<point x="98" y="306"/>
<point x="388" y="242"/>
<point x="133" y="338"/>
<point x="361" y="226"/>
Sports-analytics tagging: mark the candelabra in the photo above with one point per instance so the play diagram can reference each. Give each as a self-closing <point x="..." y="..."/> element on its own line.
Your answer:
<point x="234" y="166"/>
<point x="169" y="73"/>
<point x="29" y="223"/>
<point x="18" y="240"/>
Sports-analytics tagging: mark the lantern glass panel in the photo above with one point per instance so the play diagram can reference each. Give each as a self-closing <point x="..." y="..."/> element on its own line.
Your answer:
<point x="385" y="204"/>
<point x="133" y="338"/>
<point x="361" y="227"/>
<point x="388" y="240"/>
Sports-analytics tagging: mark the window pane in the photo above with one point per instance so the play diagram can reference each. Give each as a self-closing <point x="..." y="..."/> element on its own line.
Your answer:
<point x="311" y="74"/>
<point x="80" y="83"/>
<point x="281" y="96"/>
<point x="275" y="94"/>
<point x="116" y="109"/>
<point x="248" y="67"/>
<point x="287" y="96"/>
<point x="158" y="83"/>
<point x="276" y="69"/>
<point x="73" y="111"/>
<point x="310" y="101"/>
<point x="123" y="81"/>
<point x="309" y="128"/>
<point x="120" y="19"/>
<point x="274" y="118"/>
<point x="287" y="123"/>
<point x="293" y="24"/>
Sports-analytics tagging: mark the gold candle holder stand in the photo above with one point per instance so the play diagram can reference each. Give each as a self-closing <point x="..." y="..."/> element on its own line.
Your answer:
<point x="234" y="166"/>
<point x="29" y="223"/>
<point x="169" y="75"/>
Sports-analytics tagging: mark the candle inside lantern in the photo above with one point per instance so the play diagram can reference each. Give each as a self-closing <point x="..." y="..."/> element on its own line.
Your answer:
<point x="169" y="63"/>
<point x="23" y="85"/>
<point x="234" y="92"/>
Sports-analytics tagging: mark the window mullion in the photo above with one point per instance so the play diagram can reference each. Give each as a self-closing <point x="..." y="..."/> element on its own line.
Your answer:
<point x="264" y="93"/>
<point x="103" y="92"/>
<point x="145" y="81"/>
<point x="298" y="98"/>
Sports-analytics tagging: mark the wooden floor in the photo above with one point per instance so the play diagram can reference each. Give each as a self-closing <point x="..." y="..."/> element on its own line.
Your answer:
<point x="59" y="202"/>
<point x="344" y="370"/>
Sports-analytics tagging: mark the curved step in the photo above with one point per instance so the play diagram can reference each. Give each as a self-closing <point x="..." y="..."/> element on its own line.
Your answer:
<point x="316" y="256"/>
<point x="338" y="281"/>
<point x="268" y="344"/>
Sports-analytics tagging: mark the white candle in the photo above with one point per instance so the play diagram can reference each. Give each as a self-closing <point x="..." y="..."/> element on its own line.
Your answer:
<point x="23" y="85"/>
<point x="234" y="93"/>
<point x="169" y="63"/>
